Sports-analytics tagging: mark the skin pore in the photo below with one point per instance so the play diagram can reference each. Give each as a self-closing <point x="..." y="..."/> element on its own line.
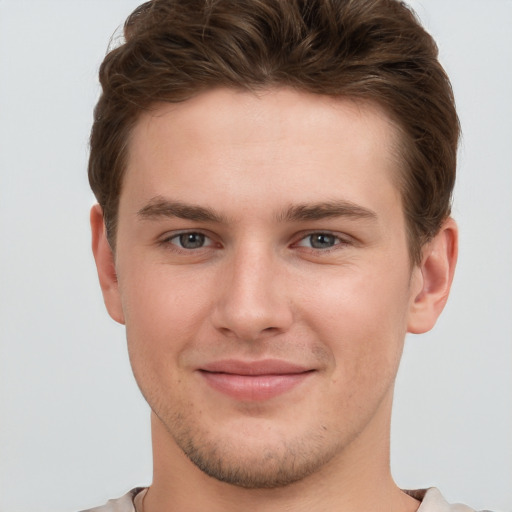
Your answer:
<point x="263" y="274"/>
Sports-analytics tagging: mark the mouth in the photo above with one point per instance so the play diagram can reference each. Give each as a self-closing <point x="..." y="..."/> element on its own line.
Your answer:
<point x="254" y="381"/>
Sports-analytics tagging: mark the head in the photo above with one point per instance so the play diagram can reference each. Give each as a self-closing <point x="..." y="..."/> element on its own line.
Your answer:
<point x="374" y="51"/>
<point x="274" y="181"/>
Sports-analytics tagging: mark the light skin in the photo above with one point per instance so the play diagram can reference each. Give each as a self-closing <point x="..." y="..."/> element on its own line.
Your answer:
<point x="263" y="274"/>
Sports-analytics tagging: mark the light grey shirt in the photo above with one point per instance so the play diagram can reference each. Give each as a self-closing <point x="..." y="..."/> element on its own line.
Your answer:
<point x="431" y="501"/>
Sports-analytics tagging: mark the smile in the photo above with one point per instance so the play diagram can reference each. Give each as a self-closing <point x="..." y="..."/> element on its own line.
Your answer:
<point x="255" y="381"/>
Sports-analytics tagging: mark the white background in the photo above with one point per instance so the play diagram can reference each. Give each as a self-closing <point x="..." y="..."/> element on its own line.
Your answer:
<point x="74" y="430"/>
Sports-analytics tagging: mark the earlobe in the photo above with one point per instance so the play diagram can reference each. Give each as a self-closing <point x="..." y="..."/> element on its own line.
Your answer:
<point x="105" y="265"/>
<point x="435" y="276"/>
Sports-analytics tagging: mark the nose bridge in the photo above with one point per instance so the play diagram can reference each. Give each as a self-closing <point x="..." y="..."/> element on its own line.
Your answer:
<point x="253" y="302"/>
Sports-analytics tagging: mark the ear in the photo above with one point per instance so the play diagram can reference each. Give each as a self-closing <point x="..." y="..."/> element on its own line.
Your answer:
<point x="105" y="265"/>
<point x="433" y="278"/>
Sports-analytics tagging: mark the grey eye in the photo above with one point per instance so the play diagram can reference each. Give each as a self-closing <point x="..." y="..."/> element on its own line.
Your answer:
<point x="191" y="240"/>
<point x="322" y="240"/>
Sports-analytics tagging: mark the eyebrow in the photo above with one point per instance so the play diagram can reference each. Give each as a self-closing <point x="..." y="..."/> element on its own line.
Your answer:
<point x="326" y="210"/>
<point x="160" y="207"/>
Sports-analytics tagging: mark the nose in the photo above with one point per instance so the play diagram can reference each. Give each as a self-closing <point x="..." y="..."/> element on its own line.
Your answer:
<point x="253" y="301"/>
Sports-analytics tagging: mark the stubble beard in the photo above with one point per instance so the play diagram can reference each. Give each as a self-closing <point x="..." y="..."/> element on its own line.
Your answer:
<point x="266" y="466"/>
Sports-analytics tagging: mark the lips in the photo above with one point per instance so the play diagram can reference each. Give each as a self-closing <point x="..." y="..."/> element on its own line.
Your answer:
<point x="254" y="381"/>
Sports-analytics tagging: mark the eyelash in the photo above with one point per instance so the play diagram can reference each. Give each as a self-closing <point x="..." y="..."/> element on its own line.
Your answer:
<point x="168" y="241"/>
<point x="338" y="242"/>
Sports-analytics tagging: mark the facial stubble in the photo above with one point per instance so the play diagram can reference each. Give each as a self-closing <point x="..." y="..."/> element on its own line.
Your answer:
<point x="269" y="466"/>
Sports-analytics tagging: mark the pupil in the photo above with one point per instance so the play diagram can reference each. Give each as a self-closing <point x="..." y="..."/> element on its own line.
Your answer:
<point x="192" y="240"/>
<point x="322" y="241"/>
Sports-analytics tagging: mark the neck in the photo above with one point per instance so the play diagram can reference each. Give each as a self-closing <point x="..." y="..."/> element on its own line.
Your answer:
<point x="356" y="480"/>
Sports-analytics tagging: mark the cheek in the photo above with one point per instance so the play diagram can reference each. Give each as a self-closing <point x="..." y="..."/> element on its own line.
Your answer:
<point x="164" y="313"/>
<point x="363" y="320"/>
<point x="156" y="299"/>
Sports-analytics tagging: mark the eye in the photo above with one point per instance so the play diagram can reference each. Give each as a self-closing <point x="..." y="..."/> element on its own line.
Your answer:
<point x="190" y="240"/>
<point x="320" y="241"/>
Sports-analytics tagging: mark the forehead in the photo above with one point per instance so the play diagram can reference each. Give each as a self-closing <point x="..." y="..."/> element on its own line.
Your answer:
<point x="281" y="112"/>
<point x="300" y="144"/>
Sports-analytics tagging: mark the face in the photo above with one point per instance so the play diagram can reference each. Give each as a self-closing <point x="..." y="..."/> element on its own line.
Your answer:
<point x="263" y="275"/>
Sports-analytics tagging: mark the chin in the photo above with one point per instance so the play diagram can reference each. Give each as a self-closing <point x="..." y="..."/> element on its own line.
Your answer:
<point x="252" y="462"/>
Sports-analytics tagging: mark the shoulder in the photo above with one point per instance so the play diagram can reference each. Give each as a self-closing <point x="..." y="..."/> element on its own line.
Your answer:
<point x="122" y="504"/>
<point x="432" y="501"/>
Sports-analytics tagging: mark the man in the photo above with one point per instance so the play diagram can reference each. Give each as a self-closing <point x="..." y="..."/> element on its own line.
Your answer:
<point x="274" y="181"/>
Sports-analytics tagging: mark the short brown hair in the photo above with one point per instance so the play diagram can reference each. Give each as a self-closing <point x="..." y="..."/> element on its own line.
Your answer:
<point x="373" y="50"/>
